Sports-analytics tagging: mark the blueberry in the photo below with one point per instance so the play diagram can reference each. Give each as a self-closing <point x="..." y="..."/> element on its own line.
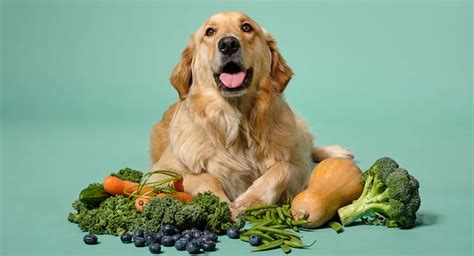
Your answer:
<point x="185" y="239"/>
<point x="167" y="241"/>
<point x="154" y="248"/>
<point x="126" y="238"/>
<point x="180" y="245"/>
<point x="233" y="233"/>
<point x="206" y="232"/>
<point x="255" y="240"/>
<point x="150" y="239"/>
<point x="176" y="237"/>
<point x="198" y="242"/>
<point x="197" y="234"/>
<point x="90" y="239"/>
<point x="184" y="232"/>
<point x="192" y="248"/>
<point x="176" y="231"/>
<point x="139" y="241"/>
<point x="209" y="246"/>
<point x="189" y="236"/>
<point x="168" y="230"/>
<point x="138" y="233"/>
<point x="194" y="229"/>
<point x="210" y="237"/>
<point x="158" y="236"/>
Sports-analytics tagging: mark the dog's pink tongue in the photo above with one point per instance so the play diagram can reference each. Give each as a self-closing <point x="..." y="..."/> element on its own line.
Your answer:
<point x="232" y="80"/>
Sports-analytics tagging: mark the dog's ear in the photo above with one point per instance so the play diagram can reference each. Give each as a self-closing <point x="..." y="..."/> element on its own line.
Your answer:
<point x="280" y="72"/>
<point x="181" y="77"/>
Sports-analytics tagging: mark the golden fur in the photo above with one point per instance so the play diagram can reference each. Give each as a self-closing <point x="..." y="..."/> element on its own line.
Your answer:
<point x="249" y="149"/>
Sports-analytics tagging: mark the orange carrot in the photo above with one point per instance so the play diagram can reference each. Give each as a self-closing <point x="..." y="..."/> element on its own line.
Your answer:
<point x="180" y="196"/>
<point x="116" y="186"/>
<point x="140" y="202"/>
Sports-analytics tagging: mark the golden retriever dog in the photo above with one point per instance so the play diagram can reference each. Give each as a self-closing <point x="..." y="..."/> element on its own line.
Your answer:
<point x="232" y="132"/>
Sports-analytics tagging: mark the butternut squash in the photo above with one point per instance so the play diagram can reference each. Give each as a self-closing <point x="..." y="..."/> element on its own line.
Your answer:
<point x="334" y="183"/>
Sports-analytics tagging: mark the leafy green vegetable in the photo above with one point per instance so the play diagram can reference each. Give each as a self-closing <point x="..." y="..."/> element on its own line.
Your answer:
<point x="128" y="174"/>
<point x="154" y="212"/>
<point x="94" y="194"/>
<point x="204" y="211"/>
<point x="390" y="197"/>
<point x="114" y="216"/>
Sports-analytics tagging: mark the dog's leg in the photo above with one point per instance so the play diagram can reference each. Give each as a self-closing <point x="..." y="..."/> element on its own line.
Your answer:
<point x="266" y="189"/>
<point x="321" y="153"/>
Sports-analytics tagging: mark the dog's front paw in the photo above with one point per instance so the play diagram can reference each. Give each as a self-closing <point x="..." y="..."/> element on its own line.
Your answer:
<point x="244" y="202"/>
<point x="338" y="151"/>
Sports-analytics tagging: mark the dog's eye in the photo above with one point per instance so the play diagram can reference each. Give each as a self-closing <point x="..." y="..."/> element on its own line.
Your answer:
<point x="210" y="32"/>
<point x="246" y="28"/>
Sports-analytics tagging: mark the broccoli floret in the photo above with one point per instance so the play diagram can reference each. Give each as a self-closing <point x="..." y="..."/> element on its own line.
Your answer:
<point x="128" y="174"/>
<point x="114" y="216"/>
<point x="390" y="197"/>
<point x="154" y="213"/>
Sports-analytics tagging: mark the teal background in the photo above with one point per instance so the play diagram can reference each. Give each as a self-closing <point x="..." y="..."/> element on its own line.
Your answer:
<point x="82" y="82"/>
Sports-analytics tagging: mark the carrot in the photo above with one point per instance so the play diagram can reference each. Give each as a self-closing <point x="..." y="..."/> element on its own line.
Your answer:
<point x="116" y="186"/>
<point x="140" y="202"/>
<point x="180" y="196"/>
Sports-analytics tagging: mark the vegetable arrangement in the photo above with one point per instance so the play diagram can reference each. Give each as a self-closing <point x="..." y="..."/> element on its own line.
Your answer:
<point x="160" y="213"/>
<point x="154" y="211"/>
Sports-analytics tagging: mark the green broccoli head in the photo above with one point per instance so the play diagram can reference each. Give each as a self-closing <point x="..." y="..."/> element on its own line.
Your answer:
<point x="128" y="174"/>
<point x="389" y="192"/>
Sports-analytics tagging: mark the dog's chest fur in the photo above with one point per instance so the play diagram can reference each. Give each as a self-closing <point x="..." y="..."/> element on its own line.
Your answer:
<point x="223" y="144"/>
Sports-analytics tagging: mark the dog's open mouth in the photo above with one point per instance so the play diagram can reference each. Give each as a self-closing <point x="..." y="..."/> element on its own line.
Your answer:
<point x="233" y="77"/>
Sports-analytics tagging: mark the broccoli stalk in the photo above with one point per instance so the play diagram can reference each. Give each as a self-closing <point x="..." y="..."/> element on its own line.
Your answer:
<point x="390" y="194"/>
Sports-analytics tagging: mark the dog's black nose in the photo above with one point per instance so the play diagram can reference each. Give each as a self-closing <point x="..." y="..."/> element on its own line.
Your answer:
<point x="228" y="45"/>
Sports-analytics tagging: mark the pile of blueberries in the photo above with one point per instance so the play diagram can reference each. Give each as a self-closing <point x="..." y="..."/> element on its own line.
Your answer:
<point x="191" y="240"/>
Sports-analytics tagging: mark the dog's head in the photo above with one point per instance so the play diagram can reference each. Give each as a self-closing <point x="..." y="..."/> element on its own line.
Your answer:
<point x="231" y="53"/>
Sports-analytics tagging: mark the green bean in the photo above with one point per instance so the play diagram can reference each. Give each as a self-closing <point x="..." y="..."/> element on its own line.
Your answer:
<point x="276" y="231"/>
<point x="273" y="215"/>
<point x="279" y="226"/>
<point x="261" y="234"/>
<point x="251" y="218"/>
<point x="262" y="223"/>
<point x="336" y="226"/>
<point x="280" y="214"/>
<point x="287" y="212"/>
<point x="268" y="246"/>
<point x="297" y="244"/>
<point x="278" y="236"/>
<point x="268" y="206"/>
<point x="268" y="215"/>
<point x="244" y="238"/>
<point x="295" y="228"/>
<point x="286" y="249"/>
<point x="295" y="239"/>
<point x="299" y="222"/>
<point x="288" y="221"/>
